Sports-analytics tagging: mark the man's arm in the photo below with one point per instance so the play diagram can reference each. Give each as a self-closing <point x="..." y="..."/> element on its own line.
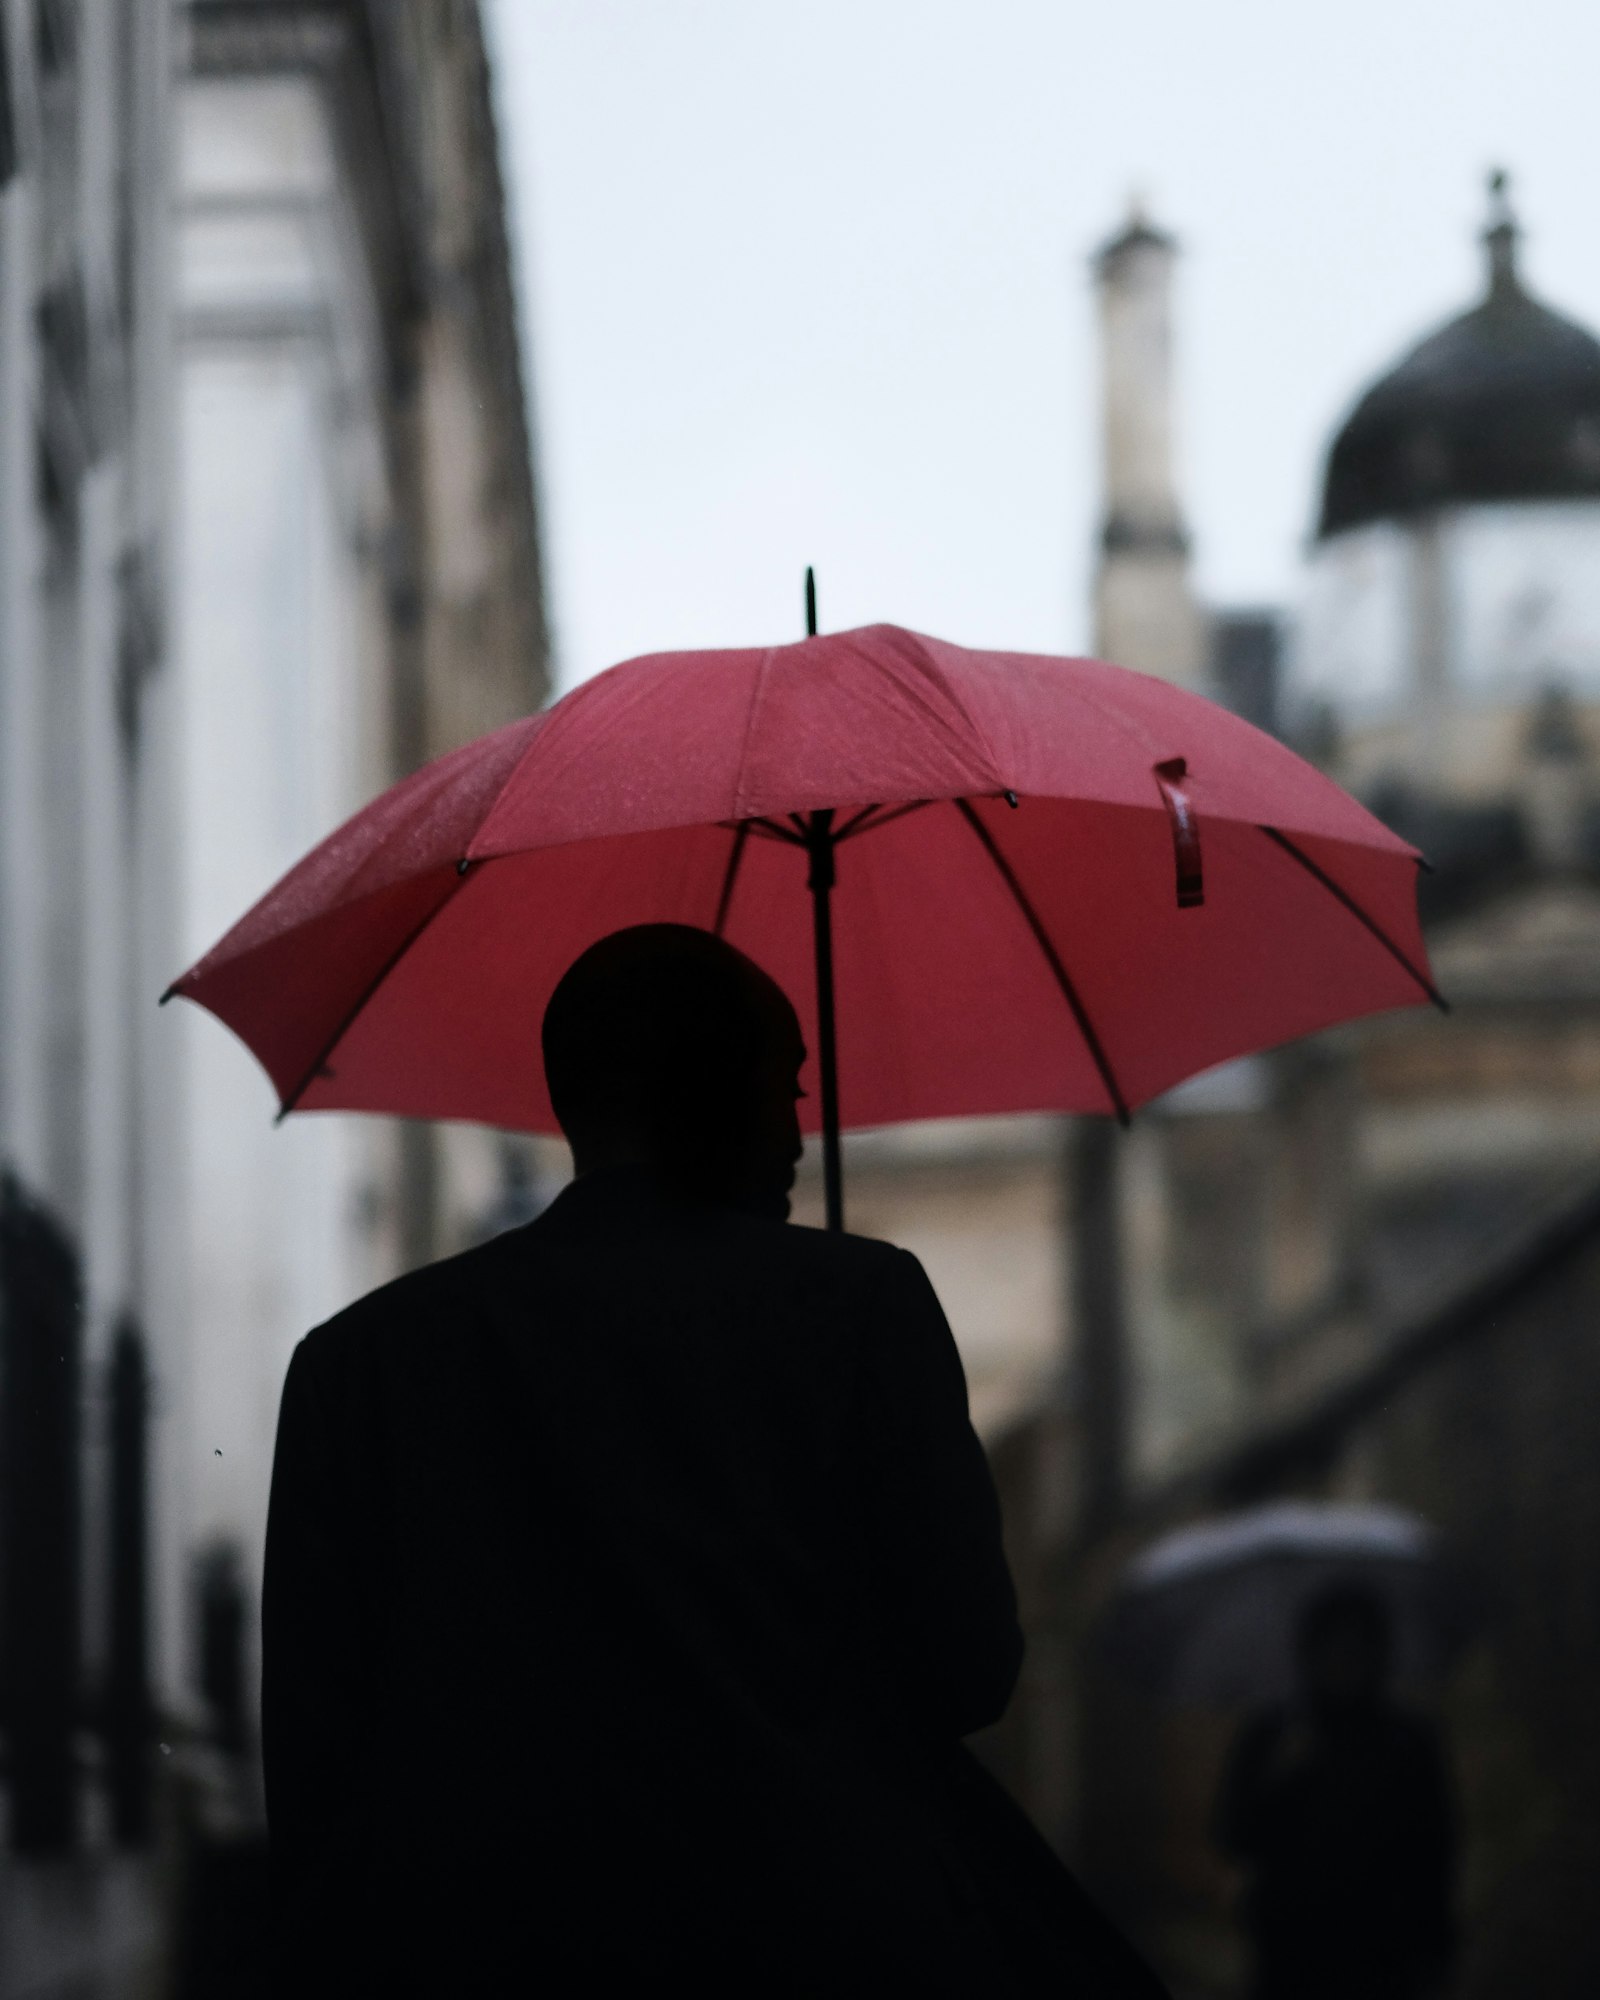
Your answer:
<point x="943" y="1596"/>
<point x="315" y="1686"/>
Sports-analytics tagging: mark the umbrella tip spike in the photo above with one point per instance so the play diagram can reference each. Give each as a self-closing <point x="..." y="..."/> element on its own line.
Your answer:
<point x="170" y="994"/>
<point x="1011" y="798"/>
<point x="811" y="602"/>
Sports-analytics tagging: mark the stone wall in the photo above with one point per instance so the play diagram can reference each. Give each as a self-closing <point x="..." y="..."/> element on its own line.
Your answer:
<point x="1480" y="1418"/>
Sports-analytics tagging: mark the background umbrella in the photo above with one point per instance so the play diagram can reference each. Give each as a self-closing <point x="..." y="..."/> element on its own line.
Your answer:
<point x="1035" y="884"/>
<point x="1207" y="1615"/>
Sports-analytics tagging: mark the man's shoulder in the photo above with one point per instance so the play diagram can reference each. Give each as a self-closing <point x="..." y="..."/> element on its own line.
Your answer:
<point x="864" y="1253"/>
<point x="424" y="1300"/>
<point x="825" y="1256"/>
<point x="397" y="1321"/>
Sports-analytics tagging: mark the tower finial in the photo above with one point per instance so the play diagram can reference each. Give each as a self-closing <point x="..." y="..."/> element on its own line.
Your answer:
<point x="1500" y="238"/>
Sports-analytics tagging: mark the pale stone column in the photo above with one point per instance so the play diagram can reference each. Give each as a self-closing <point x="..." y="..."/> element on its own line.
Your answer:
<point x="1145" y="611"/>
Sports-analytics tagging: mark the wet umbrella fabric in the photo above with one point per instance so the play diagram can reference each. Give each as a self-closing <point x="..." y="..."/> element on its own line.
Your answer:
<point x="1050" y="885"/>
<point x="1207" y="1615"/>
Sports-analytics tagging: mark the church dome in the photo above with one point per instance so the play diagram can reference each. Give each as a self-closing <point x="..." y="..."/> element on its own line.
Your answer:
<point x="1500" y="404"/>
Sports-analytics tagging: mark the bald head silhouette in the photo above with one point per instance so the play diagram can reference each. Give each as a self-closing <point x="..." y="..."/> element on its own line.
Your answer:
<point x="665" y="1048"/>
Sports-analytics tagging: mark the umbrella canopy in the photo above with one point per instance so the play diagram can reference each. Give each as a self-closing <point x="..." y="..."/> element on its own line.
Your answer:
<point x="1048" y="885"/>
<point x="1208" y="1614"/>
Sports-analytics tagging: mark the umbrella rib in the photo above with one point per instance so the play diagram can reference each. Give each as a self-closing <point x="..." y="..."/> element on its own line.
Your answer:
<point x="768" y="829"/>
<point x="864" y="823"/>
<point x="1343" y="896"/>
<point x="855" y="821"/>
<point x="1052" y="957"/>
<point x="741" y="835"/>
<point x="371" y="987"/>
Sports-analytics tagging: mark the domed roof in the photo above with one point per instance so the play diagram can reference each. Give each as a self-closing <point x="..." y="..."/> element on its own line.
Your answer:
<point x="1501" y="404"/>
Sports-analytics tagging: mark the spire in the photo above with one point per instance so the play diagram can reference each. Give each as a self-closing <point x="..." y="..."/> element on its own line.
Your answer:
<point x="1500" y="238"/>
<point x="1137" y="233"/>
<point x="1145" y="614"/>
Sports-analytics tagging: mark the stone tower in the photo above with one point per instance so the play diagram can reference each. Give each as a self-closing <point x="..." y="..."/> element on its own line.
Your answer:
<point x="1145" y="612"/>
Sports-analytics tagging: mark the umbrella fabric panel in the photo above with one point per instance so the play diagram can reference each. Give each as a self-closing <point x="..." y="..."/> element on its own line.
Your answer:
<point x="1085" y="729"/>
<point x="947" y="1005"/>
<point x="880" y="716"/>
<point x="404" y="965"/>
<point x="1385" y="895"/>
<point x="424" y="823"/>
<point x="947" y="1000"/>
<point x="652" y="744"/>
<point x="671" y="739"/>
<point x="299" y="994"/>
<point x="843" y="721"/>
<point x="876" y="715"/>
<point x="1269" y="955"/>
<point x="453" y="1031"/>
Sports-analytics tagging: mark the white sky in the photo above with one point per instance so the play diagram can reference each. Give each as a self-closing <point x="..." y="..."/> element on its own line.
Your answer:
<point x="806" y="280"/>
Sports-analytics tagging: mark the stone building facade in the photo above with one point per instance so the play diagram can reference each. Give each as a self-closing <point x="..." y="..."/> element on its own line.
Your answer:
<point x="1472" y="1412"/>
<point x="85" y="550"/>
<point x="358" y="590"/>
<point x="268" y="538"/>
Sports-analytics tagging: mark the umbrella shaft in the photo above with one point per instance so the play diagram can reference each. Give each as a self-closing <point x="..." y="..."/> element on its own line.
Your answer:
<point x="820" y="843"/>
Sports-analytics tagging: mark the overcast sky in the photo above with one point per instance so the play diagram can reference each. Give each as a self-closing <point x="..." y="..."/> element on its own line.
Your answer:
<point x="808" y="282"/>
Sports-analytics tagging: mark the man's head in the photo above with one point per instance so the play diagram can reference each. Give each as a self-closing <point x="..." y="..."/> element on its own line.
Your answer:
<point x="665" y="1047"/>
<point x="1344" y="1645"/>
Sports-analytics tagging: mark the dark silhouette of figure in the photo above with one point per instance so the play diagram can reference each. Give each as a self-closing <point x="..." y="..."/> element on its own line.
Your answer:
<point x="1339" y="1805"/>
<point x="633" y="1577"/>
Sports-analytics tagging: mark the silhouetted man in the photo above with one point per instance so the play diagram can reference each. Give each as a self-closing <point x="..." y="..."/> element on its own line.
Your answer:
<point x="1339" y="1806"/>
<point x="632" y="1577"/>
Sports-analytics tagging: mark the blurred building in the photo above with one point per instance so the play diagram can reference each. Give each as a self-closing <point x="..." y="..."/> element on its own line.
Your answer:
<point x="357" y="589"/>
<point x="86" y="916"/>
<point x="1361" y="1267"/>
<point x="268" y="539"/>
<point x="1367" y="1165"/>
<point x="1453" y="601"/>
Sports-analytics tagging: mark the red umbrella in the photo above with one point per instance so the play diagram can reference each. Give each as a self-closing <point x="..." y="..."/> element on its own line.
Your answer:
<point x="1037" y="884"/>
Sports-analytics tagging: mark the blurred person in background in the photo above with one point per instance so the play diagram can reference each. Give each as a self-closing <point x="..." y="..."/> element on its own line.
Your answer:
<point x="1338" y="1806"/>
<point x="632" y="1578"/>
